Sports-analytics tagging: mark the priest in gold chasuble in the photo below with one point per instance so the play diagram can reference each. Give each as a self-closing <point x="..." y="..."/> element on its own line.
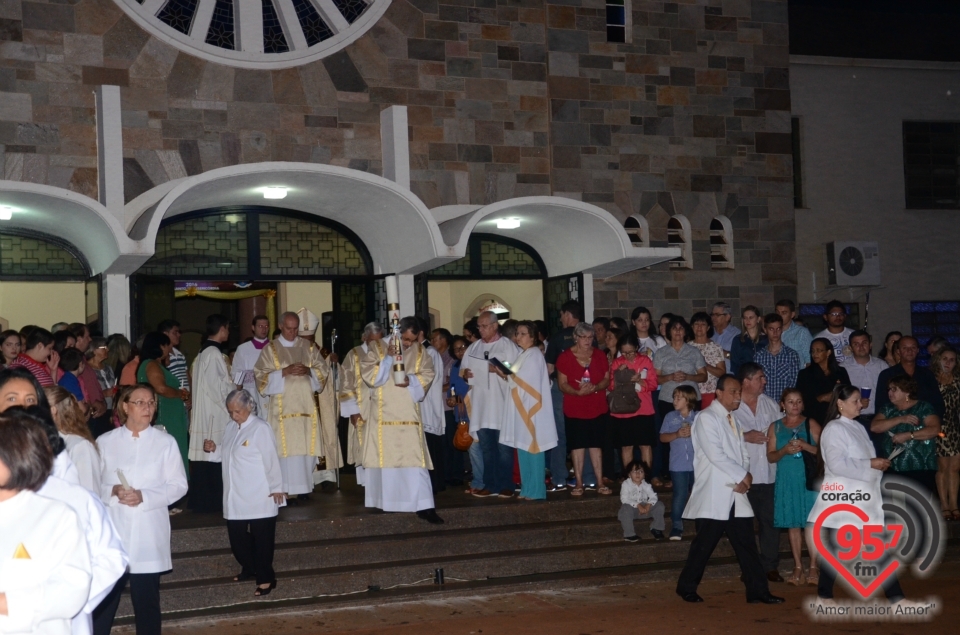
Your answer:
<point x="354" y="393"/>
<point x="290" y="370"/>
<point x="394" y="451"/>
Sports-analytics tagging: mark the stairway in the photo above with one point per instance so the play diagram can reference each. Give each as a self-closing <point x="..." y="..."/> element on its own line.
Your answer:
<point x="498" y="542"/>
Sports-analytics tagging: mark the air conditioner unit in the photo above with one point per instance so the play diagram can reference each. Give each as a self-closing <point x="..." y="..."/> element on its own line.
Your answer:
<point x="853" y="264"/>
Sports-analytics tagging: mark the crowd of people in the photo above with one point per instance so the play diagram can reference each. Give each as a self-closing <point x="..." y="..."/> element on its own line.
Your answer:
<point x="121" y="437"/>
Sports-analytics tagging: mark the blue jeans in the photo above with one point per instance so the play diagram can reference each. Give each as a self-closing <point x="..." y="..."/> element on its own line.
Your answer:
<point x="682" y="486"/>
<point x="476" y="462"/>
<point x="497" y="461"/>
<point x="557" y="457"/>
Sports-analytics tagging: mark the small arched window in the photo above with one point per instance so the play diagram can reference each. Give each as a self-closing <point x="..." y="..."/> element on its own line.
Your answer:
<point x="721" y="243"/>
<point x="679" y="235"/>
<point x="638" y="229"/>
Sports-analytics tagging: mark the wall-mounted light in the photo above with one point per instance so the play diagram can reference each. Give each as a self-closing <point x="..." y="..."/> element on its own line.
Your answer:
<point x="274" y="192"/>
<point x="6" y="212"/>
<point x="508" y="223"/>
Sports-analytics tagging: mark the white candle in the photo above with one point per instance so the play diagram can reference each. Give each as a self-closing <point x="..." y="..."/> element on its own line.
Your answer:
<point x="393" y="291"/>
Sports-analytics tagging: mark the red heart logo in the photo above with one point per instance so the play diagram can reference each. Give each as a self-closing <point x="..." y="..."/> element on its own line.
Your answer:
<point x="864" y="591"/>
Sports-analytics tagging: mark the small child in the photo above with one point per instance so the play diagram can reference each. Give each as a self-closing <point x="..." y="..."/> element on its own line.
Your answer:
<point x="639" y="501"/>
<point x="676" y="431"/>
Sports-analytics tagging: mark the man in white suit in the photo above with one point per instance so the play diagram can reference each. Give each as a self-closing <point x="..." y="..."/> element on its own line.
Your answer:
<point x="719" y="503"/>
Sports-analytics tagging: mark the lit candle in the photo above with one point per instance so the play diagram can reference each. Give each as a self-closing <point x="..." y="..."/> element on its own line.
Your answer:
<point x="393" y="291"/>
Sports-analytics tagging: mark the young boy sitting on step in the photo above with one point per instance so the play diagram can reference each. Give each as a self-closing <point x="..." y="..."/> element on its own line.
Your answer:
<point x="639" y="501"/>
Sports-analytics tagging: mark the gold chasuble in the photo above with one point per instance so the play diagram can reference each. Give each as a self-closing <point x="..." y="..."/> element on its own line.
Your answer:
<point x="350" y="390"/>
<point x="291" y="410"/>
<point x="392" y="434"/>
<point x="329" y="418"/>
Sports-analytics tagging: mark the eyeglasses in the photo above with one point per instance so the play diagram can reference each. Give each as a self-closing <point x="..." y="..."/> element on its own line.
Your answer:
<point x="835" y="314"/>
<point x="144" y="404"/>
<point x="585" y="337"/>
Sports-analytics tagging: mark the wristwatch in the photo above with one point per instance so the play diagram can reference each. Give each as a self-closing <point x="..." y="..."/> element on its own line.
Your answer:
<point x="911" y="436"/>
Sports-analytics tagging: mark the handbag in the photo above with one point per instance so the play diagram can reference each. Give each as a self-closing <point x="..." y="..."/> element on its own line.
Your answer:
<point x="461" y="438"/>
<point x="623" y="399"/>
<point x="810" y="466"/>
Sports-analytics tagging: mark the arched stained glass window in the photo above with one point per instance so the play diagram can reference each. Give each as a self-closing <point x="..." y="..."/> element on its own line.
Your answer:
<point x="26" y="255"/>
<point x="491" y="256"/>
<point x="255" y="244"/>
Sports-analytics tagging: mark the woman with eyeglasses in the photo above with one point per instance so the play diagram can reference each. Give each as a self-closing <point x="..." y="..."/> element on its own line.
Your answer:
<point x="638" y="428"/>
<point x="142" y="474"/>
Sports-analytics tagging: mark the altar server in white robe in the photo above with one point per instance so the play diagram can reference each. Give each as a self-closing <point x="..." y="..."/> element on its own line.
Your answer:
<point x="246" y="358"/>
<point x="108" y="560"/>
<point x="486" y="401"/>
<point x="353" y="392"/>
<point x="431" y="411"/>
<point x="528" y="423"/>
<point x="395" y="456"/>
<point x="212" y="382"/>
<point x="252" y="491"/>
<point x="152" y="467"/>
<point x="290" y="370"/>
<point x="44" y="560"/>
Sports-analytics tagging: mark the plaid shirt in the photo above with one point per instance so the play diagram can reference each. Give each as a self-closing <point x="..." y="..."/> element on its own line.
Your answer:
<point x="781" y="369"/>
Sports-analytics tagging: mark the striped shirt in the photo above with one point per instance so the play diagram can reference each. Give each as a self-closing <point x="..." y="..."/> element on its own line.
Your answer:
<point x="178" y="368"/>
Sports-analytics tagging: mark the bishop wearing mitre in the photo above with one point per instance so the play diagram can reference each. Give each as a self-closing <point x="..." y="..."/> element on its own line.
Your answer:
<point x="326" y="401"/>
<point x="290" y="370"/>
<point x="394" y="451"/>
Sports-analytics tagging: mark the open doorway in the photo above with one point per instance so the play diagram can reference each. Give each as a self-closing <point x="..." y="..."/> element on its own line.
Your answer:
<point x="457" y="301"/>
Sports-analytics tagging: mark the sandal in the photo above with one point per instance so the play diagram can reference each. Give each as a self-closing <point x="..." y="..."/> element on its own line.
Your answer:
<point x="955" y="514"/>
<point x="605" y="491"/>
<point x="656" y="482"/>
<point x="813" y="576"/>
<point x="797" y="578"/>
<point x="947" y="514"/>
<point x="576" y="491"/>
<point x="243" y="577"/>
<point x="265" y="590"/>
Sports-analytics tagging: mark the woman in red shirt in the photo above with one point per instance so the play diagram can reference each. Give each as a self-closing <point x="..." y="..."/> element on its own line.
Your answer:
<point x="582" y="373"/>
<point x="636" y="428"/>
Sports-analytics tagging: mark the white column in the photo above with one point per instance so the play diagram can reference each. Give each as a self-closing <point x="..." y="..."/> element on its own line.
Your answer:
<point x="249" y="17"/>
<point x="395" y="145"/>
<point x="408" y="298"/>
<point x="116" y="303"/>
<point x="110" y="150"/>
<point x="587" y="298"/>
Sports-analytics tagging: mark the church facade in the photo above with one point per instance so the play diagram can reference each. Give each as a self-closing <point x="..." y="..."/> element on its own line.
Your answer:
<point x="643" y="147"/>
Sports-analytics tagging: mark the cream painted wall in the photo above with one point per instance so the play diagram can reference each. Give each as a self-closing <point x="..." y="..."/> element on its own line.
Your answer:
<point x="42" y="303"/>
<point x="524" y="297"/>
<point x="316" y="296"/>
<point x="92" y="303"/>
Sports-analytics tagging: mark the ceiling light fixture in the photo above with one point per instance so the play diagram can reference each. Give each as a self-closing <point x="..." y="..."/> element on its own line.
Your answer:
<point x="508" y="223"/>
<point x="275" y="192"/>
<point x="6" y="212"/>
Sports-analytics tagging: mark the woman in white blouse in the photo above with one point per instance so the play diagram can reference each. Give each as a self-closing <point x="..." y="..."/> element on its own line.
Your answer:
<point x="252" y="490"/>
<point x="72" y="424"/>
<point x="152" y="478"/>
<point x="850" y="464"/>
<point x="44" y="560"/>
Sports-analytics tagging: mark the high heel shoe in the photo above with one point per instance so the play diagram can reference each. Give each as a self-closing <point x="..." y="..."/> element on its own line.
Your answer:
<point x="797" y="578"/>
<point x="262" y="591"/>
<point x="813" y="576"/>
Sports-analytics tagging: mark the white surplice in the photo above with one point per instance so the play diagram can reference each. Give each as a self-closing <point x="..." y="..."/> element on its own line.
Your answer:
<point x="431" y="408"/>
<point x="152" y="464"/>
<point x="487" y="396"/>
<point x="533" y="429"/>
<point x="108" y="560"/>
<point x="212" y="383"/>
<point x="243" y="362"/>
<point x="251" y="470"/>
<point x="86" y="460"/>
<point x="44" y="565"/>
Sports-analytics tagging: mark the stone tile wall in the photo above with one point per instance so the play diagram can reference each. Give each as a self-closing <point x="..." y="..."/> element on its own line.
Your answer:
<point x="506" y="98"/>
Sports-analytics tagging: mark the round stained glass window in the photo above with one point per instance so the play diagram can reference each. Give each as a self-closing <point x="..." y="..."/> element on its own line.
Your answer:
<point x="257" y="33"/>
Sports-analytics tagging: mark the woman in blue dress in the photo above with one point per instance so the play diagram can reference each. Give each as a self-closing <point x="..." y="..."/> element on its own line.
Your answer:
<point x="792" y="501"/>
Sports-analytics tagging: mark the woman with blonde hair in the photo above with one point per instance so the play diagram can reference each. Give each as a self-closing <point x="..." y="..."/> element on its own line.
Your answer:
<point x="72" y="424"/>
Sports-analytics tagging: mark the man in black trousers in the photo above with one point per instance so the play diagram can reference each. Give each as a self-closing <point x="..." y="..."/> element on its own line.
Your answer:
<point x="719" y="501"/>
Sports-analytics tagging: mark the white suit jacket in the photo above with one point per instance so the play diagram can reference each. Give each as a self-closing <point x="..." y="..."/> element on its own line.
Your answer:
<point x="720" y="461"/>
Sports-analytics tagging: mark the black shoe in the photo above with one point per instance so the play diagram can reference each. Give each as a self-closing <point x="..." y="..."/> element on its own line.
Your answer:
<point x="774" y="576"/>
<point x="328" y="487"/>
<point x="690" y="597"/>
<point x="303" y="497"/>
<point x="262" y="591"/>
<point x="657" y="534"/>
<point x="292" y="502"/>
<point x="631" y="538"/>
<point x="430" y="515"/>
<point x="767" y="599"/>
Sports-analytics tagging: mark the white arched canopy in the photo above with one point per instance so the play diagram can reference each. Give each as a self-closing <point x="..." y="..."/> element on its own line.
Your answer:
<point x="395" y="226"/>
<point x="570" y="236"/>
<point x="77" y="219"/>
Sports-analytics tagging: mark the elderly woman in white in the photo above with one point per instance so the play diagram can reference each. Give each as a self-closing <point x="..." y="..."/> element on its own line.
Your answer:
<point x="850" y="461"/>
<point x="528" y="423"/>
<point x="44" y="560"/>
<point x="252" y="490"/>
<point x="142" y="475"/>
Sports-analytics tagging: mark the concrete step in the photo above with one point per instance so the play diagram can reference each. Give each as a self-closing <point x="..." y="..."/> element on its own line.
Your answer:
<point x="185" y="597"/>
